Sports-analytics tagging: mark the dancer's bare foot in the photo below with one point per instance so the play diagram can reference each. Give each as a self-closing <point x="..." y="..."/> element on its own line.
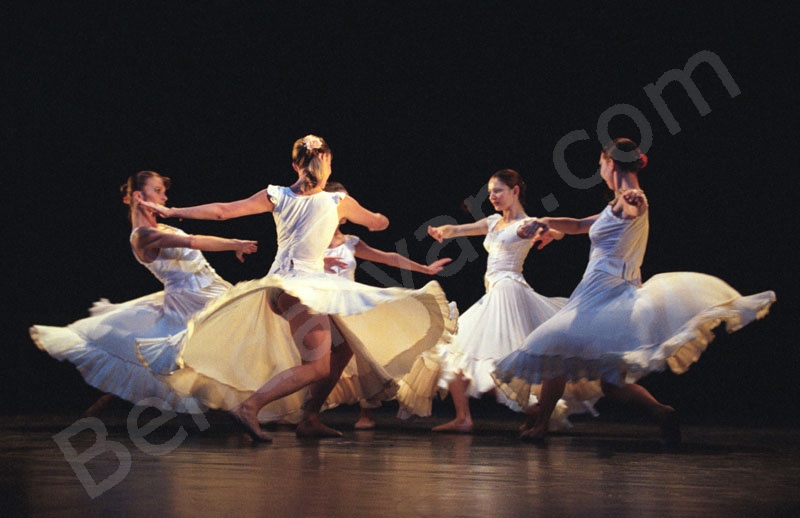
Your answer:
<point x="669" y="425"/>
<point x="531" y="415"/>
<point x="313" y="428"/>
<point x="97" y="408"/>
<point x="247" y="421"/>
<point x="364" y="423"/>
<point x="535" y="433"/>
<point x="455" y="426"/>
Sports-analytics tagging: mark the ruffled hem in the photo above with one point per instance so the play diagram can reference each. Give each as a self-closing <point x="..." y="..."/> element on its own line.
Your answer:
<point x="161" y="355"/>
<point x="219" y="396"/>
<point x="350" y="390"/>
<point x="685" y="348"/>
<point x="239" y="343"/>
<point x="424" y="383"/>
<point x="477" y="371"/>
<point x="107" y="372"/>
<point x="519" y="371"/>
<point x="418" y="388"/>
<point x="372" y="379"/>
<point x="488" y="331"/>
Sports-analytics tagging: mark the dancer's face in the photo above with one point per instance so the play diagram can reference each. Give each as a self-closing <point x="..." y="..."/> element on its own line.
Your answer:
<point x="501" y="196"/>
<point x="607" y="170"/>
<point x="154" y="190"/>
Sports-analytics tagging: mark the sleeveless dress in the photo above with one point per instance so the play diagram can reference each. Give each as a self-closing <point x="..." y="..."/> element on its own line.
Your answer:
<point x="489" y="330"/>
<point x="617" y="329"/>
<point x="238" y="343"/>
<point x="103" y="346"/>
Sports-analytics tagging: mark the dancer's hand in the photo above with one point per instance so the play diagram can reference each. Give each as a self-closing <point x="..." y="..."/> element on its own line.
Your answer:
<point x="532" y="228"/>
<point x="634" y="197"/>
<point x="162" y="211"/>
<point x="245" y="247"/>
<point x="635" y="202"/>
<point x="546" y="237"/>
<point x="437" y="266"/>
<point x="436" y="233"/>
<point x="334" y="264"/>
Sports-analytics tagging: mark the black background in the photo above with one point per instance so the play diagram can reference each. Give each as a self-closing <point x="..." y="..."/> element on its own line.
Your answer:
<point x="420" y="102"/>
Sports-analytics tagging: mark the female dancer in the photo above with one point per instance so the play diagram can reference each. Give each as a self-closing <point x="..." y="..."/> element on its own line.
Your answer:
<point x="340" y="259"/>
<point x="298" y="306"/>
<point x="614" y="329"/>
<point x="102" y="346"/>
<point x="499" y="322"/>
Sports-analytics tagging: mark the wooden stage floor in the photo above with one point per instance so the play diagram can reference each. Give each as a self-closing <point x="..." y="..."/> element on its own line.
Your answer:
<point x="602" y="467"/>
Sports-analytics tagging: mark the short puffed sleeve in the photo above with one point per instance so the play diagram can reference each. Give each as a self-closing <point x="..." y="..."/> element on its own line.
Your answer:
<point x="492" y="220"/>
<point x="338" y="196"/>
<point x="351" y="241"/>
<point x="275" y="193"/>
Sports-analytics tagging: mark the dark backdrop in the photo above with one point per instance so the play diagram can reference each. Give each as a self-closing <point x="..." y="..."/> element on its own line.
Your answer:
<point x="420" y="103"/>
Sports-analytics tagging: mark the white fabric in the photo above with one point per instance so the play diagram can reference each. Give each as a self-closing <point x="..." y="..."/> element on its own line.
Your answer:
<point x="345" y="253"/>
<point x="489" y="330"/>
<point x="616" y="329"/>
<point x="238" y="343"/>
<point x="302" y="252"/>
<point x="103" y="347"/>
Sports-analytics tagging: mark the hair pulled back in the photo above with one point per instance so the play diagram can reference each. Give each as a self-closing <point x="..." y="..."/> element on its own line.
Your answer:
<point x="626" y="155"/>
<point x="306" y="156"/>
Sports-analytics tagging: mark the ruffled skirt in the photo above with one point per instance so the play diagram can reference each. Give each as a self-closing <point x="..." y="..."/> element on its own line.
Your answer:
<point x="103" y="346"/>
<point x="238" y="343"/>
<point x="611" y="330"/>
<point x="491" y="329"/>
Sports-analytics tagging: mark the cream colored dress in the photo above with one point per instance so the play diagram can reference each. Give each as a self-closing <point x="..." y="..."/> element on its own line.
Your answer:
<point x="239" y="343"/>
<point x="617" y="329"/>
<point x="103" y="346"/>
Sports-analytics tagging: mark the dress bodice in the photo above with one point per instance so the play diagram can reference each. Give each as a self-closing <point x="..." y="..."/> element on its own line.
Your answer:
<point x="179" y="268"/>
<point x="189" y="281"/>
<point x="507" y="251"/>
<point x="305" y="227"/>
<point x="618" y="245"/>
<point x="346" y="253"/>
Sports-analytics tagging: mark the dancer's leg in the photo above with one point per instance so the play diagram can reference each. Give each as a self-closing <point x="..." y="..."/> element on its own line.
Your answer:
<point x="636" y="395"/>
<point x="99" y="406"/>
<point x="531" y="415"/>
<point x="366" y="421"/>
<point x="312" y="336"/>
<point x="552" y="390"/>
<point x="463" y="420"/>
<point x="310" y="424"/>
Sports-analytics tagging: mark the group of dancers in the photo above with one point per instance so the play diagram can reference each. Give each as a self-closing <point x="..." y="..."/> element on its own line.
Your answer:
<point x="307" y="336"/>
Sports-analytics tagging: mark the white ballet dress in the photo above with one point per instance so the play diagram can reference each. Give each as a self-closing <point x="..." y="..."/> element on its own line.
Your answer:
<point x="102" y="346"/>
<point x="489" y="330"/>
<point x="238" y="343"/>
<point x="345" y="253"/>
<point x="617" y="329"/>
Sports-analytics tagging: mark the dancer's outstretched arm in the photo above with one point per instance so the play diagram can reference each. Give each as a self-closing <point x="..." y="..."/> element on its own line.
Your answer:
<point x="351" y="210"/>
<point x="255" y="204"/>
<point x="148" y="238"/>
<point x="477" y="228"/>
<point x="367" y="253"/>
<point x="565" y="225"/>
